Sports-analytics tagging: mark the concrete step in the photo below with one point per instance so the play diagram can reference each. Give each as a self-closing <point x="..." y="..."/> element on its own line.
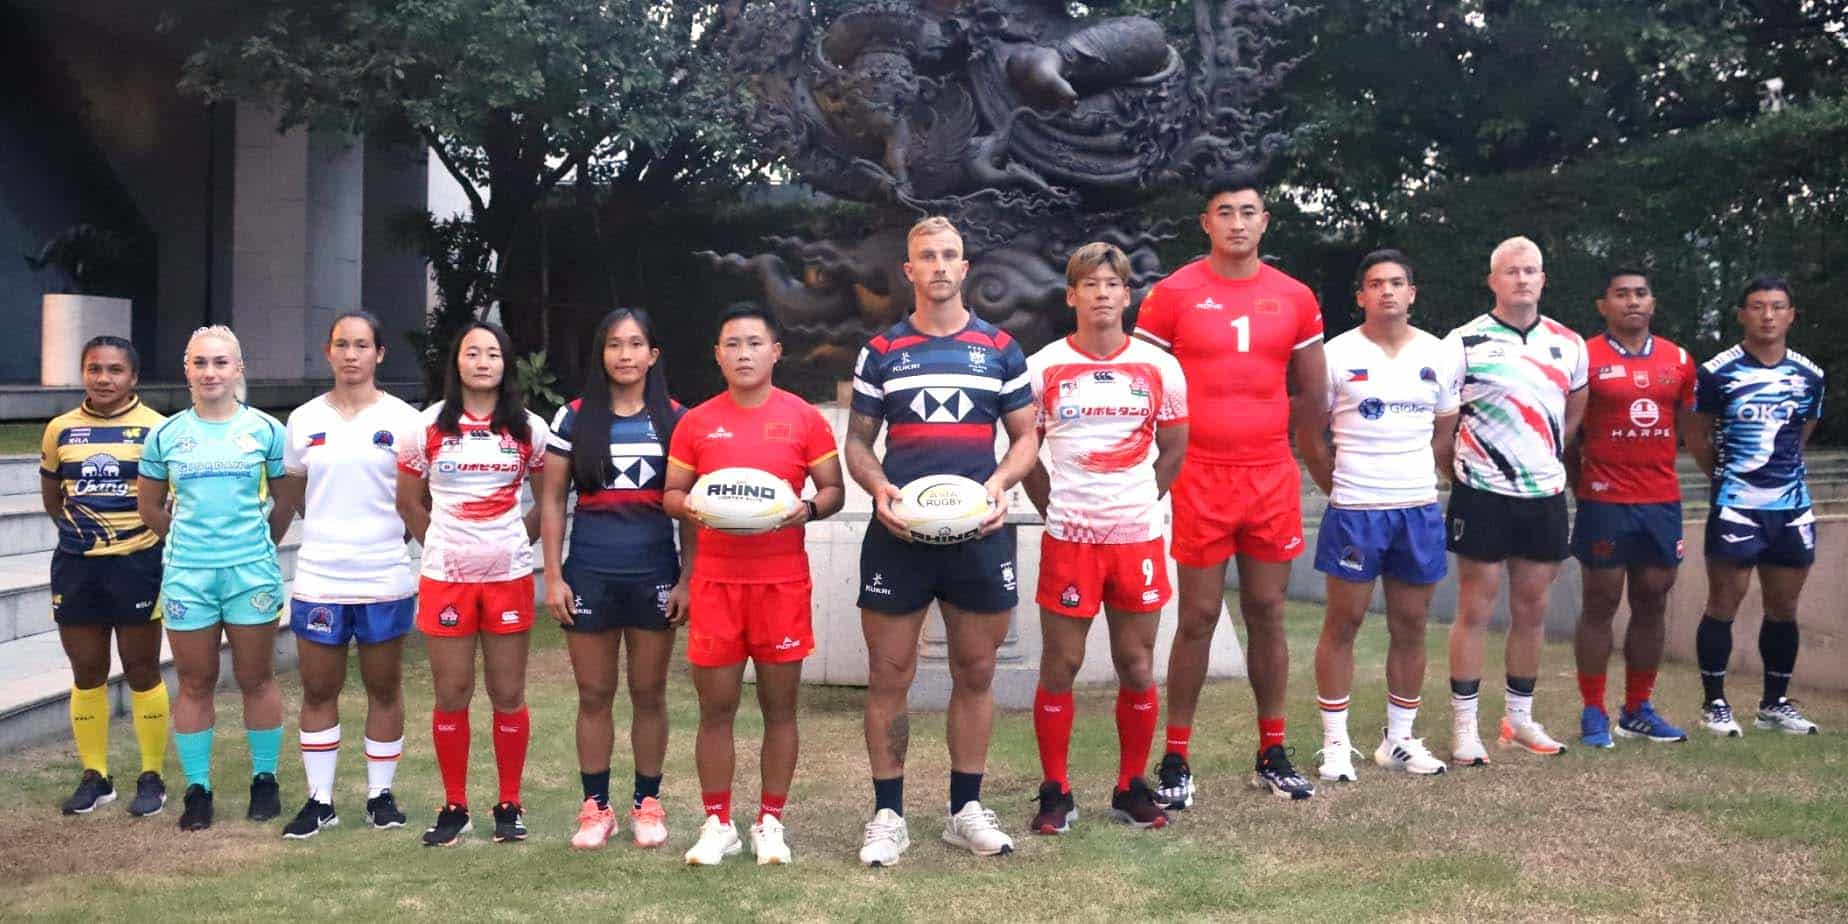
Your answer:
<point x="19" y="474"/>
<point x="24" y="527"/>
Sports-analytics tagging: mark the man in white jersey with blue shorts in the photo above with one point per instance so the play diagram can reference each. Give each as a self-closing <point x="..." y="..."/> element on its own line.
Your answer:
<point x="1393" y="393"/>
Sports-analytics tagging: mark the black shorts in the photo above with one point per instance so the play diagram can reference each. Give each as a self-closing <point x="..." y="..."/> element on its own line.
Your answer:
<point x="1743" y="538"/>
<point x="602" y="602"/>
<point x="899" y="577"/>
<point x="105" y="590"/>
<point x="1483" y="526"/>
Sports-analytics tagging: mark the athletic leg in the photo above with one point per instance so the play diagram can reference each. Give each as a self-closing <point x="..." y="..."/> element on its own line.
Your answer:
<point x="87" y="648"/>
<point x="1201" y="597"/>
<point x="1334" y="668"/>
<point x="1727" y="583"/>
<point x="1781" y="588"/>
<point x="503" y="668"/>
<point x="596" y="659"/>
<point x="323" y="671"/>
<point x="139" y="647"/>
<point x="778" y="689"/>
<point x="892" y="662"/>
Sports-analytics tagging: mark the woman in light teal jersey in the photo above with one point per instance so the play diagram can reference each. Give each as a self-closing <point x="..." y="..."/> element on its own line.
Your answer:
<point x="223" y="463"/>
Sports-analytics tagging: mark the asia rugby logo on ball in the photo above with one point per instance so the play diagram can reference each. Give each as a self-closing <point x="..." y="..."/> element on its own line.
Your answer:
<point x="943" y="509"/>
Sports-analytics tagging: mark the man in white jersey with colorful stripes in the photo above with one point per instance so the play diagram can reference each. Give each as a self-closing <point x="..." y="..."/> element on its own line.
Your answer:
<point x="1523" y="398"/>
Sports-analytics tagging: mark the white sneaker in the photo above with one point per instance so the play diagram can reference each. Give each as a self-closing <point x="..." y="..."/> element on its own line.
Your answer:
<point x="1529" y="736"/>
<point x="1717" y="717"/>
<point x="1783" y="716"/>
<point x="717" y="840"/>
<point x="767" y="842"/>
<point x="1337" y="762"/>
<point x="974" y="829"/>
<point x="1407" y="754"/>
<point x="887" y="839"/>
<point x="1466" y="748"/>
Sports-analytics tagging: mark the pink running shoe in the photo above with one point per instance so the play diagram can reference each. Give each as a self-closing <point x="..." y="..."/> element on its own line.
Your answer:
<point x="650" y="823"/>
<point x="595" y="826"/>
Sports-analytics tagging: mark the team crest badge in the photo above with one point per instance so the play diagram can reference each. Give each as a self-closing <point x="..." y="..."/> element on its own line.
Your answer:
<point x="509" y="445"/>
<point x="383" y="439"/>
<point x="185" y="444"/>
<point x="1069" y="597"/>
<point x="449" y="618"/>
<point x="1268" y="306"/>
<point x="263" y="601"/>
<point x="173" y="608"/>
<point x="320" y="619"/>
<point x="977" y="356"/>
<point x="1640" y="378"/>
<point x="1427" y="374"/>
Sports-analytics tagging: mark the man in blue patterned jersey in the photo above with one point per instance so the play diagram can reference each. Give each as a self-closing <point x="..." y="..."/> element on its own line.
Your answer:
<point x="1755" y="406"/>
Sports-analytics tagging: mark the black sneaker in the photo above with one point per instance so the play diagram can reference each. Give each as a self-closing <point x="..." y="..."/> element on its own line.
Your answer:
<point x="1136" y="805"/>
<point x="198" y="813"/>
<point x="1275" y="773"/>
<point x="265" y="798"/>
<point x="93" y="791"/>
<point x="451" y="823"/>
<point x="150" y="795"/>
<point x="1057" y="811"/>
<point x="382" y="811"/>
<point x="1176" y="790"/>
<point x="509" y="825"/>
<point x="310" y="820"/>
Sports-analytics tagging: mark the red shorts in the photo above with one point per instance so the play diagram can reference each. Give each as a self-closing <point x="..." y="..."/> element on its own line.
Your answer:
<point x="1226" y="510"/>
<point x="768" y="623"/>
<point x="1074" y="577"/>
<point x="456" y="609"/>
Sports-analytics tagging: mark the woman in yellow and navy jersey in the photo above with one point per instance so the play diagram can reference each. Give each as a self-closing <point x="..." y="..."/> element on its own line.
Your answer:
<point x="105" y="573"/>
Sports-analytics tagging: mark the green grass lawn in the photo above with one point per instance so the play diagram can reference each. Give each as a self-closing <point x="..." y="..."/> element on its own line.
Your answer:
<point x="21" y="437"/>
<point x="1720" y="830"/>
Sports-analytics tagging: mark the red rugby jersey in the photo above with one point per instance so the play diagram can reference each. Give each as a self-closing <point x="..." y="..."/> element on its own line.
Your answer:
<point x="1627" y="451"/>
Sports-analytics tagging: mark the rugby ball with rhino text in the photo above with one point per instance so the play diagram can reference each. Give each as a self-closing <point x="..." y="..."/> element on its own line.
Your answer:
<point x="942" y="509"/>
<point x="741" y="501"/>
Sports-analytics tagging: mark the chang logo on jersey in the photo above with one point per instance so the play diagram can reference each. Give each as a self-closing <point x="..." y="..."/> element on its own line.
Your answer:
<point x="100" y="474"/>
<point x="941" y="405"/>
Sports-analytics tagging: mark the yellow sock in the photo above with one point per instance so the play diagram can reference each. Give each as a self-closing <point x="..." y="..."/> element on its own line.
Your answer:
<point x="151" y="726"/>
<point x="90" y="726"/>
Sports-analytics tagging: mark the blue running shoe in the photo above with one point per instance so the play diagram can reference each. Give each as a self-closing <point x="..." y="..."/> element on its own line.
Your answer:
<point x="1595" y="728"/>
<point x="1644" y="723"/>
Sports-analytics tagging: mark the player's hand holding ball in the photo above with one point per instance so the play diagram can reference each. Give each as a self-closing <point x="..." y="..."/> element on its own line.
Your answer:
<point x="744" y="501"/>
<point x="946" y="509"/>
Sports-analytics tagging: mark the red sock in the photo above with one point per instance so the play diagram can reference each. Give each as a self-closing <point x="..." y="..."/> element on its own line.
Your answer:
<point x="1591" y="690"/>
<point x="449" y="732"/>
<point x="718" y="803"/>
<point x="1052" y="728"/>
<point x="512" y="731"/>
<point x="1178" y="736"/>
<point x="768" y="804"/>
<point x="1270" y="731"/>
<point x="1135" y="719"/>
<point x="1637" y="688"/>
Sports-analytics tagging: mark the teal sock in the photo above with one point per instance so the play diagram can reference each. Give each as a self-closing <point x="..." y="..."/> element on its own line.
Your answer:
<point x="265" y="744"/>
<point x="195" y="756"/>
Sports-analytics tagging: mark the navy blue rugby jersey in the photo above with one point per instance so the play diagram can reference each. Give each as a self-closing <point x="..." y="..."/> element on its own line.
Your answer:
<point x="941" y="397"/>
<point x="620" y="529"/>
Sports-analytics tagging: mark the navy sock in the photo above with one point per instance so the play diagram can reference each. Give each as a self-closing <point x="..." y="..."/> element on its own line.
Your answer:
<point x="597" y="786"/>
<point x="1465" y="689"/>
<point x="889" y="794"/>
<point x="1713" y="643"/>
<point x="1522" y="686"/>
<point x="964" y="789"/>
<point x="646" y="787"/>
<point x="1777" y="645"/>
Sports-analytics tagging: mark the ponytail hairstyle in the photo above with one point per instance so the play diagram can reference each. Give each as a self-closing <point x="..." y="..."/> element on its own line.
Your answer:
<point x="241" y="390"/>
<point x="590" y="471"/>
<point x="509" y="409"/>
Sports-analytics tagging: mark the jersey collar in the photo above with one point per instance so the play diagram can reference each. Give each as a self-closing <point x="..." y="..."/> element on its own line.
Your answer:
<point x="1072" y="341"/>
<point x="1617" y="347"/>
<point x="1538" y="320"/>
<point x="133" y="403"/>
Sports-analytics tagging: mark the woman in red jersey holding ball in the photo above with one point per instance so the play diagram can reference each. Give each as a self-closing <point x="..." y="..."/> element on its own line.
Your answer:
<point x="750" y="594"/>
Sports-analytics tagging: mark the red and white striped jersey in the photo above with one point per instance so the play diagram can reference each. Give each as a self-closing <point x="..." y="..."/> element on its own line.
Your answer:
<point x="1098" y="415"/>
<point x="476" y="533"/>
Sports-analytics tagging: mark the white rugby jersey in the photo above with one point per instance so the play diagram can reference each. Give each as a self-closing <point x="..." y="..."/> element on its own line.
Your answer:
<point x="1381" y="410"/>
<point x="1514" y="404"/>
<point x="476" y="535"/>
<point x="353" y="547"/>
<point x="1099" y="415"/>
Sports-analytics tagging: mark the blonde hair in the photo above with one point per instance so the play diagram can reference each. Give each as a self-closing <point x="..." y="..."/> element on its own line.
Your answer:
<point x="1085" y="260"/>
<point x="241" y="389"/>
<point x="1513" y="246"/>
<point x="935" y="224"/>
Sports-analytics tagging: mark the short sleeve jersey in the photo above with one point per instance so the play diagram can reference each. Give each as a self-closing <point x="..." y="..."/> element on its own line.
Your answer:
<point x="1759" y="412"/>
<point x="1099" y="415"/>
<point x="476" y="533"/>
<point x="353" y="548"/>
<point x="95" y="461"/>
<point x="784" y="436"/>
<point x="1381" y="410"/>
<point x="1234" y="338"/>
<point x="1515" y="385"/>
<point x="219" y="472"/>
<point x="940" y="397"/>
<point x="1627" y="447"/>
<point x="620" y="530"/>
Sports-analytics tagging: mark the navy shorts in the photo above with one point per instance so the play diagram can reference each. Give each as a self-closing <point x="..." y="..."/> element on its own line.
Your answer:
<point x="899" y="577"/>
<point x="337" y="623"/>
<point x="1785" y="538"/>
<point x="105" y="590"/>
<point x="1406" y="544"/>
<point x="600" y="602"/>
<point x="1618" y="535"/>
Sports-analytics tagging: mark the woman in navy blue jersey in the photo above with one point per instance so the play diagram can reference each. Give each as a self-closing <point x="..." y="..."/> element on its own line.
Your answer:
<point x="623" y="585"/>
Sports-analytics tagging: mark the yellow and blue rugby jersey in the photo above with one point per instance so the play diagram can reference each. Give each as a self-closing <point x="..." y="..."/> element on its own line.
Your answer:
<point x="95" y="460"/>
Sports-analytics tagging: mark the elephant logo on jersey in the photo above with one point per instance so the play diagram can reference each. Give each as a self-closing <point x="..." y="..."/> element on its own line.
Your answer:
<point x="941" y="405"/>
<point x="101" y="474"/>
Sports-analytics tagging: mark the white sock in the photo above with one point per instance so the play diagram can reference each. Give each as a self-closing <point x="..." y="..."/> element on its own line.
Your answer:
<point x="1401" y="713"/>
<point x="1520" y="708"/>
<point x="1334" y="720"/>
<point x="320" y="754"/>
<point x="1463" y="709"/>
<point x="381" y="764"/>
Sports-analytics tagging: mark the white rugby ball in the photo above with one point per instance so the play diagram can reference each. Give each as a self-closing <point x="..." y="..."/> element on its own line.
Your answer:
<point x="942" y="509"/>
<point x="742" y="501"/>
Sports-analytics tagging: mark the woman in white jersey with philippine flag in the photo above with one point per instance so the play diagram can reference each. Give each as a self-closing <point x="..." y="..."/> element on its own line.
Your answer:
<point x="459" y="489"/>
<point x="221" y="459"/>
<point x="353" y="578"/>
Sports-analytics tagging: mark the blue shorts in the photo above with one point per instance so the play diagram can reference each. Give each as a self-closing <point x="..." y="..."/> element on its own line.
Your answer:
<point x="1617" y="535"/>
<point x="899" y="577"/>
<point x="1406" y="544"/>
<point x="249" y="594"/>
<point x="1785" y="538"/>
<point x="601" y="602"/>
<point x="337" y="623"/>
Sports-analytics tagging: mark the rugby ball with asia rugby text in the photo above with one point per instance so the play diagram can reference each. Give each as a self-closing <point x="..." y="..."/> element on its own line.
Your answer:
<point x="942" y="509"/>
<point x="742" y="501"/>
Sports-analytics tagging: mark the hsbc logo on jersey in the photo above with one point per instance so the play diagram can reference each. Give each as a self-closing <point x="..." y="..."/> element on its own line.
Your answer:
<point x="941" y="405"/>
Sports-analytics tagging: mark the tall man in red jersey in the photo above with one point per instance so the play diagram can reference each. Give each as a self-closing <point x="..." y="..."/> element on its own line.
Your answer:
<point x="1242" y="332"/>
<point x="1629" y="504"/>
